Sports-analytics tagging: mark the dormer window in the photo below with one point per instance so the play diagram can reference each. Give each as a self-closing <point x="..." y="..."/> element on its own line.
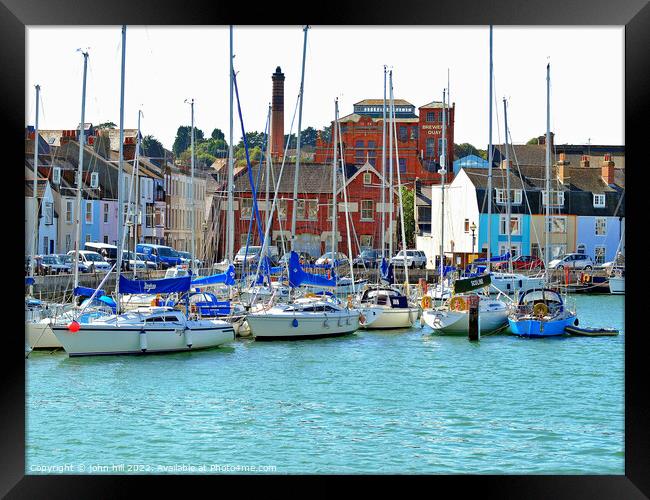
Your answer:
<point x="367" y="178"/>
<point x="599" y="200"/>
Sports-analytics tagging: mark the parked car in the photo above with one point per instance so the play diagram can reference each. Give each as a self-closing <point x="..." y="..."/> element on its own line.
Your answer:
<point x="414" y="258"/>
<point x="107" y="251"/>
<point x="522" y="262"/>
<point x="50" y="264"/>
<point x="149" y="263"/>
<point x="164" y="256"/>
<point x="131" y="261"/>
<point x="83" y="267"/>
<point x="250" y="255"/>
<point x="303" y="256"/>
<point x="187" y="258"/>
<point x="326" y="258"/>
<point x="367" y="258"/>
<point x="572" y="261"/>
<point x="92" y="260"/>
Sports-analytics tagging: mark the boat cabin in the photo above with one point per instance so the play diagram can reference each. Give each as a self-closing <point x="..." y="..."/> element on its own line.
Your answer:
<point x="384" y="297"/>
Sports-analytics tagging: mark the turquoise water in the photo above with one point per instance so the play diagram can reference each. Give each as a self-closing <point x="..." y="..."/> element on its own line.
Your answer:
<point x="374" y="402"/>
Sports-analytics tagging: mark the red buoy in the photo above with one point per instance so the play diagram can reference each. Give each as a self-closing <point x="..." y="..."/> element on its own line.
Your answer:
<point x="74" y="327"/>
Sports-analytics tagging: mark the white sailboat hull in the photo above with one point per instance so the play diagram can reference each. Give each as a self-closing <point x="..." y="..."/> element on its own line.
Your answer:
<point x="617" y="285"/>
<point x="271" y="325"/>
<point x="100" y="338"/>
<point x="378" y="317"/>
<point x="447" y="322"/>
<point x="39" y="335"/>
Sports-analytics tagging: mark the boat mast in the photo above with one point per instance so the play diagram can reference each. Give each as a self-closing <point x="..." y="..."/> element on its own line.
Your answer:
<point x="295" y="175"/>
<point x="345" y="201"/>
<point x="136" y="211"/>
<point x="33" y="244"/>
<point x="443" y="159"/>
<point x="490" y="160"/>
<point x="268" y="162"/>
<point x="548" y="170"/>
<point x="508" y="208"/>
<point x="399" y="188"/>
<point x="230" y="216"/>
<point x="335" y="166"/>
<point x="390" y="177"/>
<point x="192" y="214"/>
<point x="120" y="226"/>
<point x="383" y="174"/>
<point x="79" y="174"/>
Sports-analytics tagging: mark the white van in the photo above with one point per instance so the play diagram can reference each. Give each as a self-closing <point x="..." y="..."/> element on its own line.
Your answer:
<point x="92" y="260"/>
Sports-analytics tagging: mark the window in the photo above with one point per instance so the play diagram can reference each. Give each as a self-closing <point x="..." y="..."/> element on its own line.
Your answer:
<point x="105" y="238"/>
<point x="49" y="213"/>
<point x="68" y="242"/>
<point x="581" y="249"/>
<point x="46" y="244"/>
<point x="601" y="226"/>
<point x="367" y="178"/>
<point x="106" y="213"/>
<point x="68" y="211"/>
<point x="282" y="209"/>
<point x="599" y="254"/>
<point x="431" y="116"/>
<point x="501" y="196"/>
<point x="556" y="250"/>
<point x="403" y="133"/>
<point x="366" y="210"/>
<point x="599" y="200"/>
<point x="402" y="165"/>
<point x="365" y="241"/>
<point x="467" y="225"/>
<point x="430" y="147"/>
<point x="307" y="210"/>
<point x="534" y="251"/>
<point x="87" y="238"/>
<point x="514" y="249"/>
<point x="149" y="211"/>
<point x="557" y="198"/>
<point x="89" y="212"/>
<point x="246" y="209"/>
<point x="515" y="225"/>
<point x="516" y="198"/>
<point x="243" y="239"/>
<point x="441" y="146"/>
<point x="556" y="225"/>
<point x="372" y="144"/>
<point x="358" y="144"/>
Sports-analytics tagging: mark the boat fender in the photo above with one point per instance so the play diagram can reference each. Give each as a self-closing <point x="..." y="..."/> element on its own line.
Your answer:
<point x="362" y="319"/>
<point x="325" y="322"/>
<point x="188" y="338"/>
<point x="457" y="303"/>
<point x="294" y="323"/>
<point x="576" y="322"/>
<point x="349" y="301"/>
<point x="74" y="327"/>
<point x="143" y="340"/>
<point x="426" y="302"/>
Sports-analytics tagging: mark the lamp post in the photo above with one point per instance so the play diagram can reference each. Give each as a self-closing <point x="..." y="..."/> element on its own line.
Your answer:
<point x="473" y="229"/>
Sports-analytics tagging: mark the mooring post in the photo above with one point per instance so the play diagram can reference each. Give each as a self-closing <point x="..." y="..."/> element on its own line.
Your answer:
<point x="473" y="332"/>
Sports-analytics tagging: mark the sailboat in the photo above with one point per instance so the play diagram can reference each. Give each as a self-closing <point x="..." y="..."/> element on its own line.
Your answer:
<point x="384" y="306"/>
<point x="542" y="312"/>
<point x="452" y="316"/>
<point x="144" y="330"/>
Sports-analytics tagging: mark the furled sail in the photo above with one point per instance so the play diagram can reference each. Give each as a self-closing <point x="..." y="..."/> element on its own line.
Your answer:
<point x="299" y="277"/>
<point x="227" y="278"/>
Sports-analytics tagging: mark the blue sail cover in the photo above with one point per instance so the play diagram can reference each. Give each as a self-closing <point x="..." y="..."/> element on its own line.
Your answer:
<point x="83" y="291"/>
<point x="386" y="270"/>
<point x="227" y="278"/>
<point x="29" y="281"/>
<point x="500" y="258"/>
<point x="299" y="277"/>
<point x="165" y="285"/>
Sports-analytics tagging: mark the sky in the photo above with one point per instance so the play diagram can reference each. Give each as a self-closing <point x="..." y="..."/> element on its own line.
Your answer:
<point x="165" y="65"/>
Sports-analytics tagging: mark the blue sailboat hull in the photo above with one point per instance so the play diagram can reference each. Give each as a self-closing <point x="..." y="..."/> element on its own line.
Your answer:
<point x="537" y="328"/>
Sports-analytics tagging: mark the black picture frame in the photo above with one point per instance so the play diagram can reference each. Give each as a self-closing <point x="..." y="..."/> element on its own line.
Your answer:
<point x="634" y="14"/>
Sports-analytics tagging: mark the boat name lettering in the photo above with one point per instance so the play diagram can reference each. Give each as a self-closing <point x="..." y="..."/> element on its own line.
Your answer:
<point x="149" y="286"/>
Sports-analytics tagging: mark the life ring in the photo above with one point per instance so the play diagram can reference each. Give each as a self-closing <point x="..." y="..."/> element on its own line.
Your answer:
<point x="426" y="302"/>
<point x="458" y="303"/>
<point x="540" y="309"/>
<point x="586" y="278"/>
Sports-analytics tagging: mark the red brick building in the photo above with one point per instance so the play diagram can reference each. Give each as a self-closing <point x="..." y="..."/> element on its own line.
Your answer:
<point x="419" y="139"/>
<point x="313" y="221"/>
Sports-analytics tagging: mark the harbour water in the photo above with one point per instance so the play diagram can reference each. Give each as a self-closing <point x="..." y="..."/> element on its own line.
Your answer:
<point x="403" y="401"/>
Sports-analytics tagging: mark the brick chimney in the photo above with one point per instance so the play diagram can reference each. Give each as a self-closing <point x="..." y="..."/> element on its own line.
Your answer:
<point x="129" y="148"/>
<point x="584" y="161"/>
<point x="277" y="114"/>
<point x="562" y="164"/>
<point x="607" y="169"/>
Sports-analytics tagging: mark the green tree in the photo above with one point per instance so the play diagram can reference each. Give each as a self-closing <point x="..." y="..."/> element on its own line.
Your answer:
<point x="408" y="199"/>
<point x="534" y="140"/>
<point x="218" y="134"/>
<point x="183" y="138"/>
<point x="106" y="125"/>
<point x="308" y="137"/>
<point x="464" y="149"/>
<point x="292" y="141"/>
<point x="326" y="133"/>
<point x="153" y="148"/>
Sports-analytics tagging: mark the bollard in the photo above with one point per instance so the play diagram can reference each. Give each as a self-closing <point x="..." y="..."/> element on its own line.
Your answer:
<point x="474" y="328"/>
